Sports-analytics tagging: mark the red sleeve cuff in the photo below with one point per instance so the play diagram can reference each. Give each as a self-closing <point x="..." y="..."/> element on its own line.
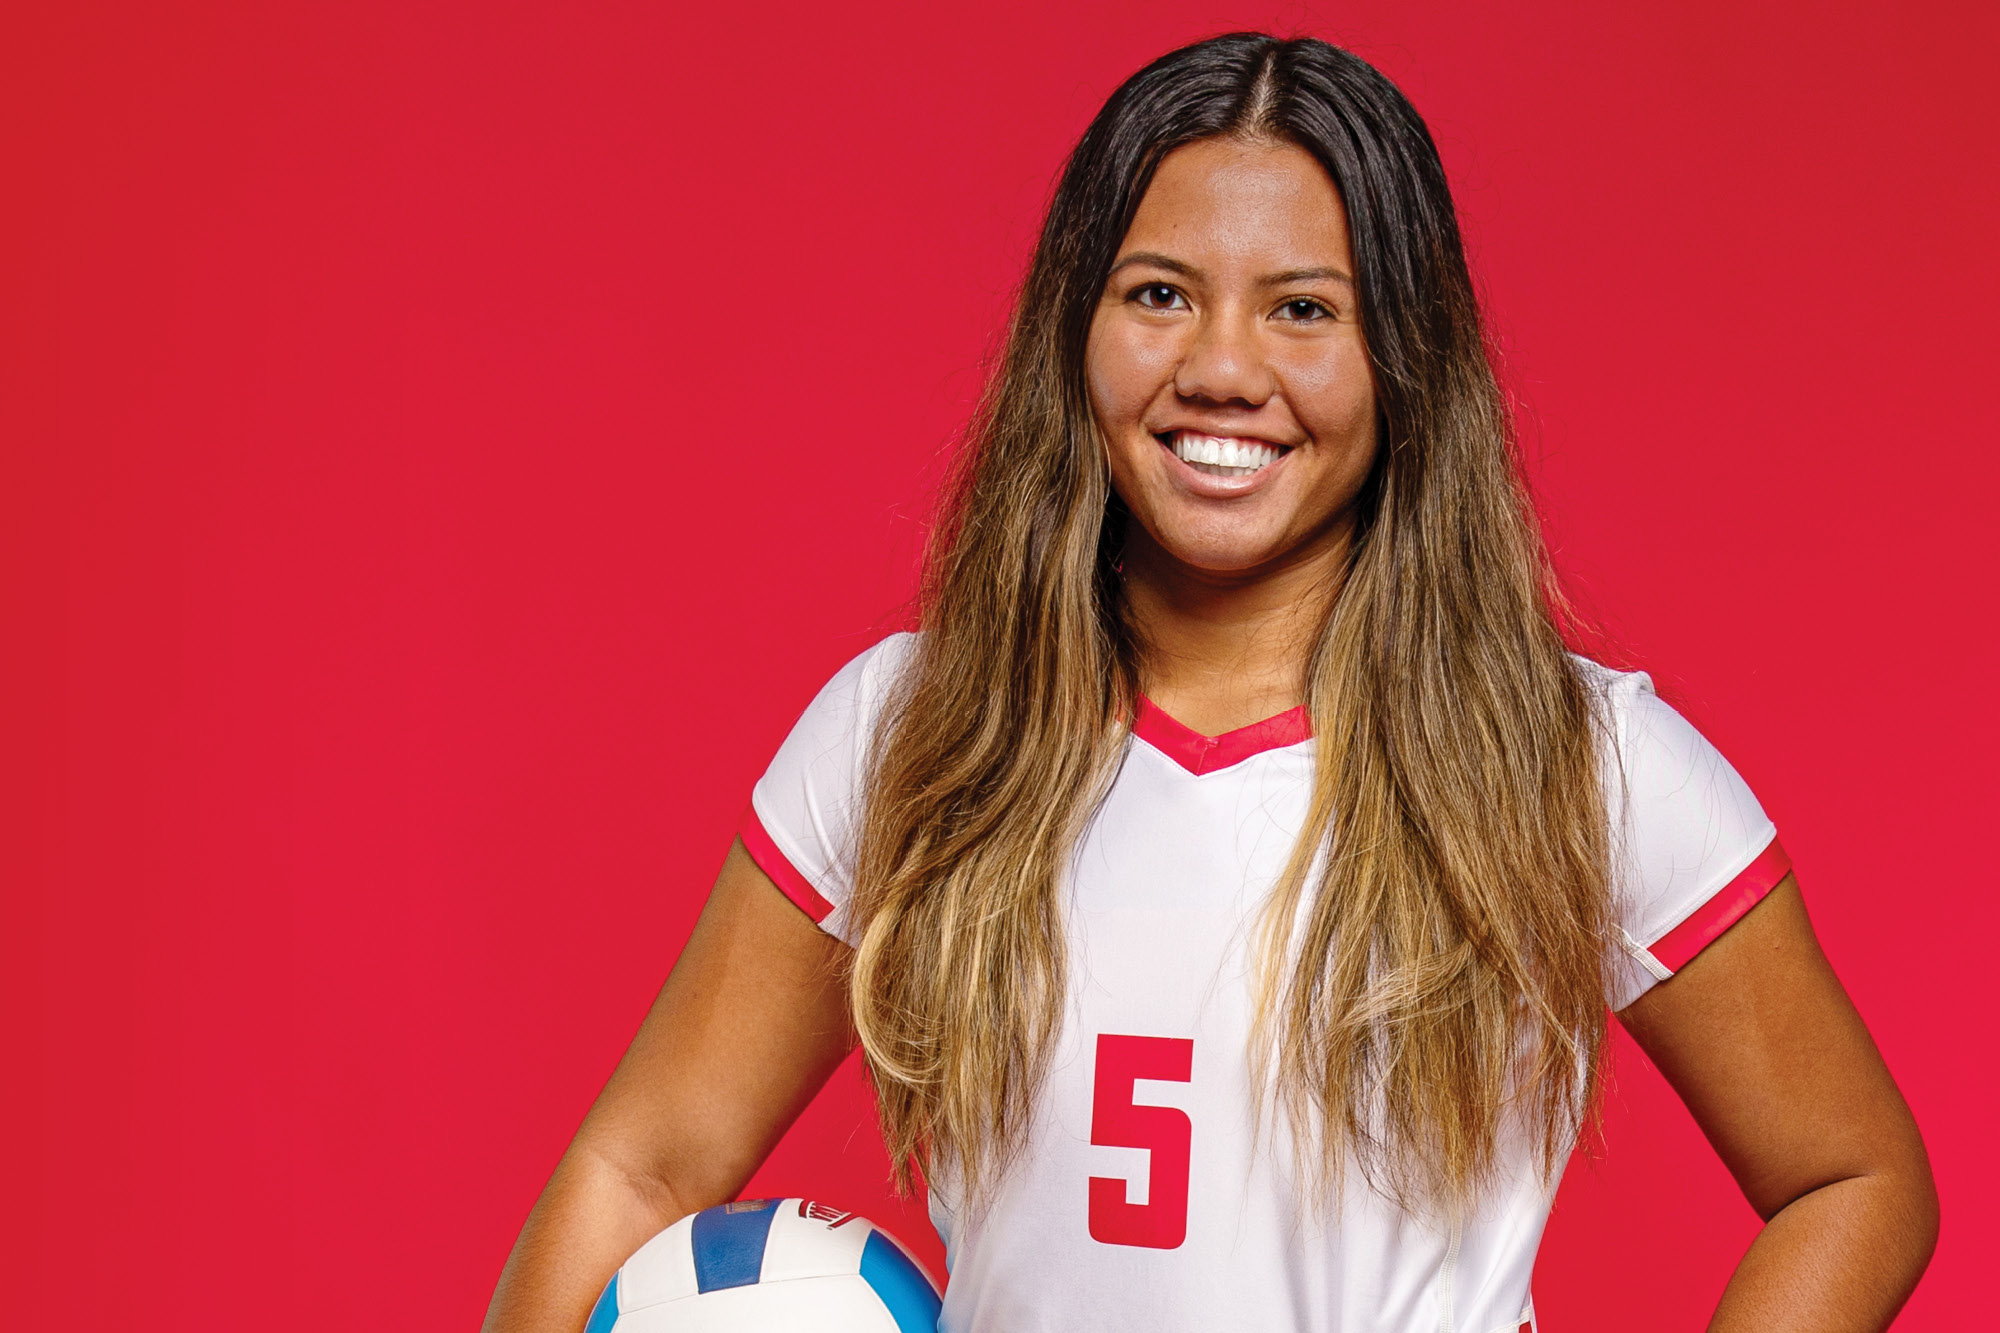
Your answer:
<point x="1677" y="947"/>
<point x="779" y="867"/>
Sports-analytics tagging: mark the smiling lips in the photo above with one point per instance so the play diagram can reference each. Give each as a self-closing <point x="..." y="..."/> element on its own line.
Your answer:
<point x="1222" y="455"/>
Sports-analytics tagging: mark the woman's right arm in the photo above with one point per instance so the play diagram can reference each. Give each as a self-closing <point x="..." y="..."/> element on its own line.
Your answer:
<point x="752" y="1021"/>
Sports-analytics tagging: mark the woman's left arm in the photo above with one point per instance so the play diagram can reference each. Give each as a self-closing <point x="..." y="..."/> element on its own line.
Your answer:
<point x="1759" y="1039"/>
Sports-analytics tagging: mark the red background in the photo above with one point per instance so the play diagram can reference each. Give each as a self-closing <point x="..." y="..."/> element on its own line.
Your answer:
<point x="444" y="446"/>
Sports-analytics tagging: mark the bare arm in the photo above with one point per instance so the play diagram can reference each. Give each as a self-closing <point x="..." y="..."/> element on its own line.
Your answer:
<point x="1762" y="1044"/>
<point x="752" y="1021"/>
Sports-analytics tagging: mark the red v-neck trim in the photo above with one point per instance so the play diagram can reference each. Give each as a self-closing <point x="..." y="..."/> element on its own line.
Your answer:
<point x="1200" y="754"/>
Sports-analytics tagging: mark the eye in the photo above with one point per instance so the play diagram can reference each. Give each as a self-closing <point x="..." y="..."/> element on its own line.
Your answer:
<point x="1304" y="309"/>
<point x="1158" y="296"/>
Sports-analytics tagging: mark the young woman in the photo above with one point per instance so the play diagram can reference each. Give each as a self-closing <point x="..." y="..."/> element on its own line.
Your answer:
<point x="1240" y="802"/>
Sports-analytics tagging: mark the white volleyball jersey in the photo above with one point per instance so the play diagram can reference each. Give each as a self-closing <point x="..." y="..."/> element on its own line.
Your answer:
<point x="1148" y="1199"/>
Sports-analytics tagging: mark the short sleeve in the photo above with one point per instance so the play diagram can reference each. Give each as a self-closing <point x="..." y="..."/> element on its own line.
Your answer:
<point x="1692" y="850"/>
<point x="803" y="812"/>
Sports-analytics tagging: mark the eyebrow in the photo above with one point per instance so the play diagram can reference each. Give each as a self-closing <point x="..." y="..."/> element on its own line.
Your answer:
<point x="1157" y="260"/>
<point x="1324" y="274"/>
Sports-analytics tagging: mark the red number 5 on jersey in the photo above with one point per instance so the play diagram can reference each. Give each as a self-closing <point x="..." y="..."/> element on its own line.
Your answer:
<point x="1161" y="1222"/>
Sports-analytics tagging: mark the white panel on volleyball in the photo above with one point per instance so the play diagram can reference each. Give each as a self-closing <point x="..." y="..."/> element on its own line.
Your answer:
<point x="804" y="1246"/>
<point x="661" y="1270"/>
<point x="830" y="1304"/>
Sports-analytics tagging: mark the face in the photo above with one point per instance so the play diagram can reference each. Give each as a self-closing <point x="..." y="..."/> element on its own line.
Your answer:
<point x="1226" y="365"/>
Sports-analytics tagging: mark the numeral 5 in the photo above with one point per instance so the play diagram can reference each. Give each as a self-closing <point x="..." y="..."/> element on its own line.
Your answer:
<point x="1161" y="1222"/>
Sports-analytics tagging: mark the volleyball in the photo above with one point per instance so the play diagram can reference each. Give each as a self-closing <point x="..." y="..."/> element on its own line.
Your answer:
<point x="769" y="1266"/>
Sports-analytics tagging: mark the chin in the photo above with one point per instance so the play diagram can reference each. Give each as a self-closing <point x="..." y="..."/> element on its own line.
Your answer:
<point x="1223" y="557"/>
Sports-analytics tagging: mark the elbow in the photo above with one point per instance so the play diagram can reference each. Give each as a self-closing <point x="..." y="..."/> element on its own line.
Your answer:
<point x="618" y="1173"/>
<point x="1916" y="1208"/>
<point x="1908" y="1214"/>
<point x="1890" y="1205"/>
<point x="1923" y="1214"/>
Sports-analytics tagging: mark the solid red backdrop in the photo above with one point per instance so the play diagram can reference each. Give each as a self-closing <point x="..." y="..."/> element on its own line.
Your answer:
<point x="444" y="445"/>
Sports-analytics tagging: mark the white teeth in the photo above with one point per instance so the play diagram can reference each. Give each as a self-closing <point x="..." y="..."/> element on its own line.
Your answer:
<point x="1227" y="457"/>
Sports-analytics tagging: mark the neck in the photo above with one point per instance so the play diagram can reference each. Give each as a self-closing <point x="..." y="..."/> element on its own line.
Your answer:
<point x="1223" y="650"/>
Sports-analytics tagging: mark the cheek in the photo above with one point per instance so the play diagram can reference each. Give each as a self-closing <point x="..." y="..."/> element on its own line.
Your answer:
<point x="1118" y="385"/>
<point x="1334" y="398"/>
<point x="1123" y="373"/>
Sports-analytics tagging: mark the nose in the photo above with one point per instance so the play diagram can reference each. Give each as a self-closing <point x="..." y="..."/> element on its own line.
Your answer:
<point x="1225" y="362"/>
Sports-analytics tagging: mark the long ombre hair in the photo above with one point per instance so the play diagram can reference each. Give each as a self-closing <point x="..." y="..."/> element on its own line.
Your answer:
<point x="1432" y="959"/>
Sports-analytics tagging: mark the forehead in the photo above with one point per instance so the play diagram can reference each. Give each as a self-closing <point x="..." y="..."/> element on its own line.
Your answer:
<point x="1235" y="199"/>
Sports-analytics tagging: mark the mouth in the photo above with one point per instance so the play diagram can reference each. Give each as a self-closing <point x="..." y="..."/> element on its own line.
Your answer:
<point x="1228" y="456"/>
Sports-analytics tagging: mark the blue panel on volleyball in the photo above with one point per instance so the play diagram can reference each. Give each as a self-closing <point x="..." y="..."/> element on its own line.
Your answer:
<point x="729" y="1244"/>
<point x="900" y="1285"/>
<point x="605" y="1313"/>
